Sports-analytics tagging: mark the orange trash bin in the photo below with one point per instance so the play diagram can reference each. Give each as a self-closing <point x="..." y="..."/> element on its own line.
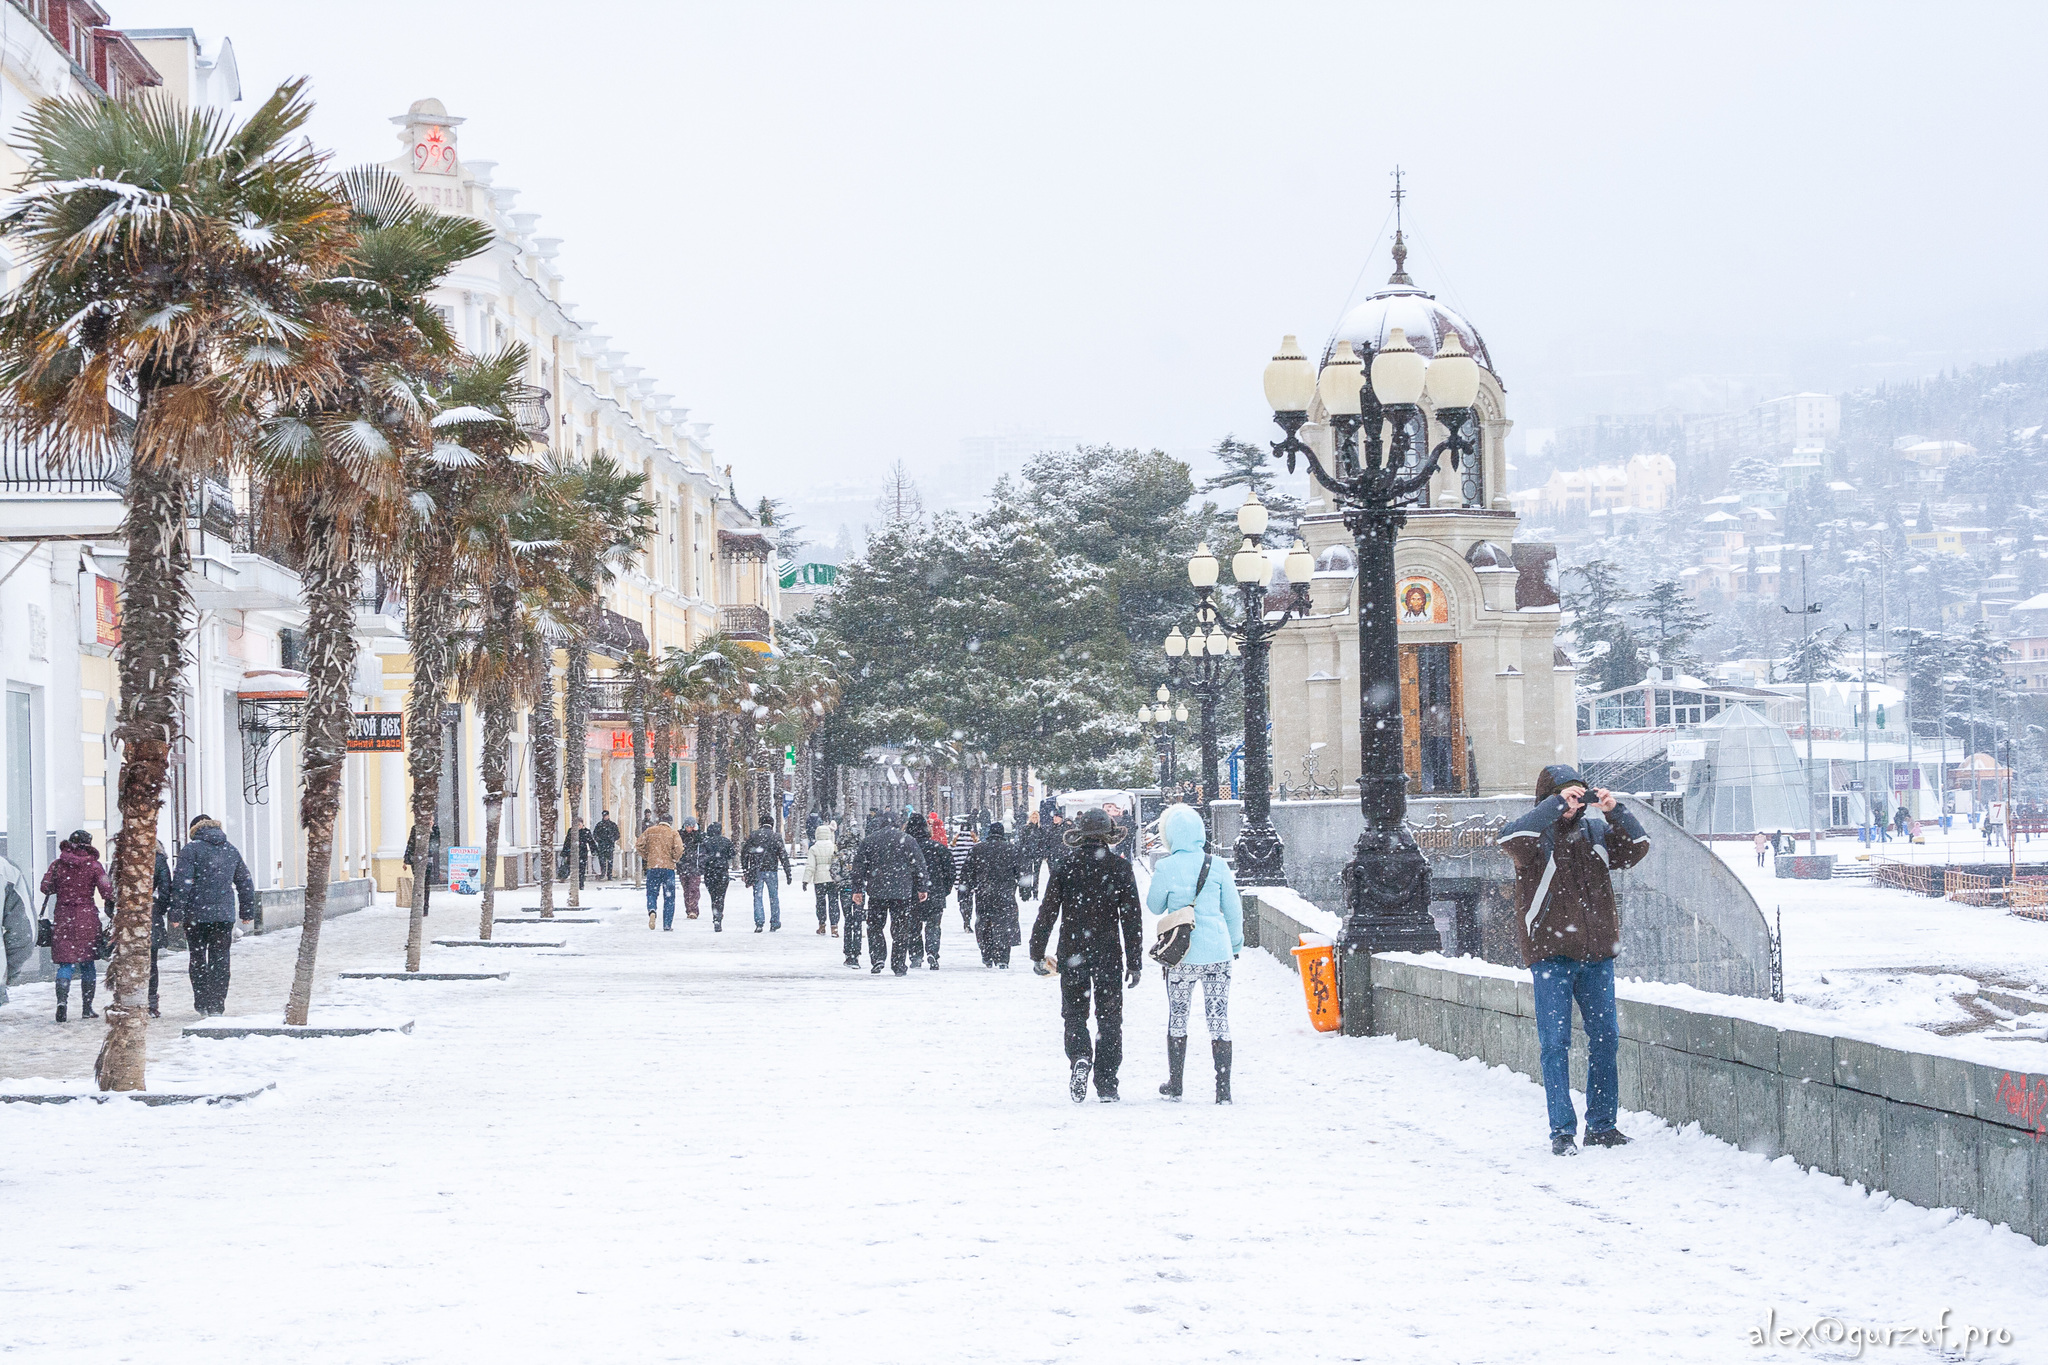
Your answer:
<point x="1317" y="963"/>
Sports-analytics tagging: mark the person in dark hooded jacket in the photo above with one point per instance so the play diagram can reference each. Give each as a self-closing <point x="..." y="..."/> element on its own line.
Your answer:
<point x="1093" y="897"/>
<point x="1569" y="930"/>
<point x="212" y="885"/>
<point x="159" y="913"/>
<point x="760" y="855"/>
<point x="716" y="852"/>
<point x="889" y="878"/>
<point x="928" y="916"/>
<point x="990" y="875"/>
<point x="74" y="879"/>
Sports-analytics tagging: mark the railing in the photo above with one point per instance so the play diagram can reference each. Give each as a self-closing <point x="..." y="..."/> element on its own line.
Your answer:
<point x="746" y="623"/>
<point x="617" y="635"/>
<point x="32" y="466"/>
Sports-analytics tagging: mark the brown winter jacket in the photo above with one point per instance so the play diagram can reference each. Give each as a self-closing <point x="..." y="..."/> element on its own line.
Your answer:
<point x="660" y="846"/>
<point x="1564" y="900"/>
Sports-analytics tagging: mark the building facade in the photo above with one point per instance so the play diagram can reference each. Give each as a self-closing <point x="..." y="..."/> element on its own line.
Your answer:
<point x="1486" y="694"/>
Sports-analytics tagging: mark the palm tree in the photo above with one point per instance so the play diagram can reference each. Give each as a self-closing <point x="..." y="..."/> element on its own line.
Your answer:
<point x="165" y="252"/>
<point x="333" y="469"/>
<point x="468" y="476"/>
<point x="639" y="700"/>
<point x="609" y="519"/>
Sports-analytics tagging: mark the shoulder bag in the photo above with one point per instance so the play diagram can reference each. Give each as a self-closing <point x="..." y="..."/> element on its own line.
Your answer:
<point x="46" y="932"/>
<point x="1177" y="927"/>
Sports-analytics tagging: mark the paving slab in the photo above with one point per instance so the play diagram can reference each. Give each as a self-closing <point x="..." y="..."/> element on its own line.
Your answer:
<point x="500" y="943"/>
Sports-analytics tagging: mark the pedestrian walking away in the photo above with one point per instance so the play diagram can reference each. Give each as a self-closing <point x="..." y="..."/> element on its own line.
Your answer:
<point x="159" y="913"/>
<point x="760" y="856"/>
<point x="77" y="885"/>
<point x="690" y="867"/>
<point x="1763" y="846"/>
<point x="818" y="860"/>
<point x="1193" y="887"/>
<point x="844" y="851"/>
<point x="604" y="842"/>
<point x="660" y="847"/>
<point x="426" y="867"/>
<point x="928" y="917"/>
<point x="991" y="874"/>
<point x="717" y="853"/>
<point x="889" y="877"/>
<point x="209" y="891"/>
<point x="1093" y="899"/>
<point x="576" y="847"/>
<point x="963" y="844"/>
<point x="1568" y="927"/>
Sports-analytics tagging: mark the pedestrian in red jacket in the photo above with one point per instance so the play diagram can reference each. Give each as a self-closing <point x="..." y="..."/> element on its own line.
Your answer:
<point x="74" y="879"/>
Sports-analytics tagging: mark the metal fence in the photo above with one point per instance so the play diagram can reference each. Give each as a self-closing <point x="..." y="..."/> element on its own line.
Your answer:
<point x="39" y="465"/>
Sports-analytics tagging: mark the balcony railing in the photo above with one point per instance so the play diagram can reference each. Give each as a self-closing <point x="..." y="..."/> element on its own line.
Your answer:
<point x="617" y="635"/>
<point x="33" y="466"/>
<point x="746" y="623"/>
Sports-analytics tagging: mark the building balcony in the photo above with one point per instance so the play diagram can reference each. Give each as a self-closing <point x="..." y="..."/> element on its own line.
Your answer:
<point x="43" y="495"/>
<point x="617" y="637"/>
<point x="748" y="625"/>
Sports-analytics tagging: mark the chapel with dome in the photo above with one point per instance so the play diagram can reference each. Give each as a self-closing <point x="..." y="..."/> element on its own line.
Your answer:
<point x="1486" y="695"/>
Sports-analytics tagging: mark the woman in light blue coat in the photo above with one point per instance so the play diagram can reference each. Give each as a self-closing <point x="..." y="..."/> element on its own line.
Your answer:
<point x="1218" y="917"/>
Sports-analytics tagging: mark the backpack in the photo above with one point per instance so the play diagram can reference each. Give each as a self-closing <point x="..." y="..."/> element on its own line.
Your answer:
<point x="1177" y="927"/>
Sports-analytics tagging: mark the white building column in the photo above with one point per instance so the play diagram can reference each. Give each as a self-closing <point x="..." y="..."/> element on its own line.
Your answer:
<point x="393" y="822"/>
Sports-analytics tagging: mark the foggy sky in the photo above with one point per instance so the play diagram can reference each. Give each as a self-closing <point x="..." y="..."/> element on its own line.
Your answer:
<point x="851" y="232"/>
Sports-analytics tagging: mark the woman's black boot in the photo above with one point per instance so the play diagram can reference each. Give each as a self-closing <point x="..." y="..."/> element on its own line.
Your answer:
<point x="1176" y="1063"/>
<point x="85" y="989"/>
<point x="63" y="1001"/>
<point x="1220" y="1050"/>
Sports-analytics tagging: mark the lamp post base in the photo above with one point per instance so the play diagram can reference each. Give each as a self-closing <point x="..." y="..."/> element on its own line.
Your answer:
<point x="1386" y="890"/>
<point x="1258" y="858"/>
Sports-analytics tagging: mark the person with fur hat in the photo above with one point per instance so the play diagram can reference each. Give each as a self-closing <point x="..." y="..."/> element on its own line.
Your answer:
<point x="1093" y="898"/>
<point x="210" y="888"/>
<point x="1565" y="852"/>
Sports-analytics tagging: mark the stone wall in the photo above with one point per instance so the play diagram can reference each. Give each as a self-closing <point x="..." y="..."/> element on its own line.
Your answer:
<point x="1935" y="1130"/>
<point x="1686" y="918"/>
<point x="284" y="907"/>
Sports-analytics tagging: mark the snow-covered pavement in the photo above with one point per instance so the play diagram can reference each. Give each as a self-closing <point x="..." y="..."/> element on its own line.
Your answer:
<point x="654" y="1147"/>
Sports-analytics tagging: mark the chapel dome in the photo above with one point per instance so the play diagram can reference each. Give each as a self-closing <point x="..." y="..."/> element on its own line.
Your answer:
<point x="1414" y="310"/>
<point x="1337" y="558"/>
<point x="1485" y="554"/>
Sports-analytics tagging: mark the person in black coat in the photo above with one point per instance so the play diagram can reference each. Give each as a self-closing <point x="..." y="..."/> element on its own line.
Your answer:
<point x="1093" y="897"/>
<point x="890" y="875"/>
<point x="210" y="889"/>
<point x="159" y="912"/>
<point x="928" y="916"/>
<point x="760" y="855"/>
<point x="991" y="875"/>
<point x="716" y="852"/>
<point x="604" y="841"/>
<point x="690" y="867"/>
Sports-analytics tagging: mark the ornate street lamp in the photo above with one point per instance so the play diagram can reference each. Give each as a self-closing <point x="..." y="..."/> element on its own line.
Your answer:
<point x="1383" y="463"/>
<point x="1195" y="666"/>
<point x="1258" y="857"/>
<point x="1161" y="718"/>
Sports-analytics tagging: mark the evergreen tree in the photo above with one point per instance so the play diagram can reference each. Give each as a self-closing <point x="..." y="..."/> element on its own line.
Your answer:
<point x="1607" y="642"/>
<point x="1671" y="621"/>
<point x="1251" y="467"/>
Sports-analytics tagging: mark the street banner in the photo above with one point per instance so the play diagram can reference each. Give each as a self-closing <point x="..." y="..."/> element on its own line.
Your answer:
<point x="106" y="611"/>
<point x="376" y="732"/>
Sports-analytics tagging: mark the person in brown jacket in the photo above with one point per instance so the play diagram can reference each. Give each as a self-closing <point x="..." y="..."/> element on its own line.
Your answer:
<point x="660" y="848"/>
<point x="1569" y="930"/>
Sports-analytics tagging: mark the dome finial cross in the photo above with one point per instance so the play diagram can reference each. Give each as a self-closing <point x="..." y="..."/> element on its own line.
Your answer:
<point x="1400" y="275"/>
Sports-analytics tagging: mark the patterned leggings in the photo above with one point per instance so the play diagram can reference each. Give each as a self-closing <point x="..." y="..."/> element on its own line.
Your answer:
<point x="1180" y="993"/>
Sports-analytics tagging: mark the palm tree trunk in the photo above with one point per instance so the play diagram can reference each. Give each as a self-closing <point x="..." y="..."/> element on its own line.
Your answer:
<point x="497" y="718"/>
<point x="331" y="577"/>
<point x="545" y="777"/>
<point x="664" y="720"/>
<point x="576" y="724"/>
<point x="155" y="605"/>
<point x="427" y="630"/>
<point x="636" y="712"/>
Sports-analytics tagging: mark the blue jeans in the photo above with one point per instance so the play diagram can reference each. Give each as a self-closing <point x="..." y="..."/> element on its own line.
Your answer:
<point x="1559" y="981"/>
<point x="769" y="880"/>
<point x="662" y="881"/>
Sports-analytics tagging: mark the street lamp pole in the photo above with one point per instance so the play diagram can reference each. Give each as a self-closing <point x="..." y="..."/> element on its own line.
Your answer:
<point x="1258" y="858"/>
<point x="1375" y="480"/>
<point x="1160" y="718"/>
<point x="1206" y="648"/>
